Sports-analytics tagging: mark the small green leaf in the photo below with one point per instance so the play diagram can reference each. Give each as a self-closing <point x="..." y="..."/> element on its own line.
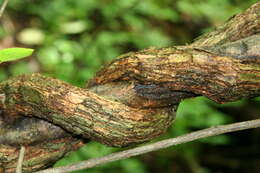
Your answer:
<point x="11" y="54"/>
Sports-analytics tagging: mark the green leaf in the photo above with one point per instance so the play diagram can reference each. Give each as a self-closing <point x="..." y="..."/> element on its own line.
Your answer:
<point x="11" y="54"/>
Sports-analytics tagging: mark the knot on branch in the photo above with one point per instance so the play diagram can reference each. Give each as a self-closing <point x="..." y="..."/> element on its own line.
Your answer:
<point x="131" y="100"/>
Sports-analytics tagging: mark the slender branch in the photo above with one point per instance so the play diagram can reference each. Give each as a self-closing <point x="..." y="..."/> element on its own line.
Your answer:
<point x="213" y="131"/>
<point x="2" y="9"/>
<point x="20" y="160"/>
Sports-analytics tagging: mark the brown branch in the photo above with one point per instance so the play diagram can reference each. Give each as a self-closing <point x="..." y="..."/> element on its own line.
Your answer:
<point x="38" y="156"/>
<point x="213" y="131"/>
<point x="216" y="74"/>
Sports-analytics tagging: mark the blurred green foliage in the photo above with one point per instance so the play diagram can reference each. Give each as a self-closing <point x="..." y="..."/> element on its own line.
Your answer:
<point x="74" y="38"/>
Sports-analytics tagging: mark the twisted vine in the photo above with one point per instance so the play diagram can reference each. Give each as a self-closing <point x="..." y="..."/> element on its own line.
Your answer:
<point x="131" y="100"/>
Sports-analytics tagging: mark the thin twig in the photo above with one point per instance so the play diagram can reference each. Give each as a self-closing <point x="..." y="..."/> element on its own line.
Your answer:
<point x="156" y="146"/>
<point x="20" y="160"/>
<point x="2" y="9"/>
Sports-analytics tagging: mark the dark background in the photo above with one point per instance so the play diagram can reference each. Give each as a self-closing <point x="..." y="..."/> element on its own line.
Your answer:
<point x="74" y="38"/>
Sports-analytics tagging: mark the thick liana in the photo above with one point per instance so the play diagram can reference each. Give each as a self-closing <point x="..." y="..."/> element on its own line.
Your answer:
<point x="83" y="112"/>
<point x="216" y="73"/>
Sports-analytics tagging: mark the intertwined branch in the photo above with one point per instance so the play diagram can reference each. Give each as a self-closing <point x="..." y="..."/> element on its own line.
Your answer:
<point x="131" y="100"/>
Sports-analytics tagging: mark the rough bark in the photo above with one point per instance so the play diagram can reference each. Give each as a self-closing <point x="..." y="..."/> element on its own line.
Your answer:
<point x="37" y="156"/>
<point x="82" y="112"/>
<point x="218" y="76"/>
<point x="132" y="99"/>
